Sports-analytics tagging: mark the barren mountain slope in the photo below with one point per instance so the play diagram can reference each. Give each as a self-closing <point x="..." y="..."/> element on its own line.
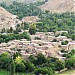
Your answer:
<point x="6" y="13"/>
<point x="59" y="6"/>
<point x="7" y="19"/>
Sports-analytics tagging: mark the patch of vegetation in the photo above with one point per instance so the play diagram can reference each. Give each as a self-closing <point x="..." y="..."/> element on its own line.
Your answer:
<point x="36" y="64"/>
<point x="8" y="37"/>
<point x="49" y="22"/>
<point x="54" y="21"/>
<point x="3" y="72"/>
<point x="22" y="10"/>
<point x="64" y="43"/>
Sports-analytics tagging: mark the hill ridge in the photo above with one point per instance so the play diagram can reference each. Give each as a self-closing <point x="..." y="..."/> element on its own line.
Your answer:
<point x="59" y="6"/>
<point x="7" y="19"/>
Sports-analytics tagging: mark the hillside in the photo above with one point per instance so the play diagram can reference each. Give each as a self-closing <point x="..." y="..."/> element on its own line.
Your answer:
<point x="59" y="6"/>
<point x="4" y="12"/>
<point x="22" y="10"/>
<point x="52" y="5"/>
<point x="7" y="19"/>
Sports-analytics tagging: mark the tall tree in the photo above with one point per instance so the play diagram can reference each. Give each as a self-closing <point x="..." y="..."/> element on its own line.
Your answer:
<point x="32" y="29"/>
<point x="12" y="68"/>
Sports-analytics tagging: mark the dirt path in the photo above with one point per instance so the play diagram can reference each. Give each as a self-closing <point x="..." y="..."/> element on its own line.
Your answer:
<point x="73" y="74"/>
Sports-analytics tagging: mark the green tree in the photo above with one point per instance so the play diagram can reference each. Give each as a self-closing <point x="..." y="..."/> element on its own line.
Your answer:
<point x="64" y="34"/>
<point x="25" y="26"/>
<point x="16" y="55"/>
<point x="30" y="66"/>
<point x="15" y="31"/>
<point x="59" y="65"/>
<point x="1" y="40"/>
<point x="32" y="29"/>
<point x="73" y="37"/>
<point x="70" y="62"/>
<point x="3" y="30"/>
<point x="64" y="43"/>
<point x="32" y="59"/>
<point x="20" y="66"/>
<point x="40" y="59"/>
<point x="12" y="68"/>
<point x="11" y="29"/>
<point x="5" y="60"/>
<point x="44" y="71"/>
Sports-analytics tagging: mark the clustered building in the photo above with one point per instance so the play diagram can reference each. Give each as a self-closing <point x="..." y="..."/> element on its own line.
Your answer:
<point x="41" y="42"/>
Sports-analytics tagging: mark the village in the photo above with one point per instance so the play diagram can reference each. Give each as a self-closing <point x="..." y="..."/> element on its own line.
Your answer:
<point x="46" y="43"/>
<point x="37" y="37"/>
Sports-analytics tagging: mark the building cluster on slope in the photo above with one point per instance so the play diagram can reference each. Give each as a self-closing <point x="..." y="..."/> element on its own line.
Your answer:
<point x="42" y="42"/>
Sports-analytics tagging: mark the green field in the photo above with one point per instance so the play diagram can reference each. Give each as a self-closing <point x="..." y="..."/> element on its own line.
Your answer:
<point x="67" y="72"/>
<point x="3" y="72"/>
<point x="24" y="74"/>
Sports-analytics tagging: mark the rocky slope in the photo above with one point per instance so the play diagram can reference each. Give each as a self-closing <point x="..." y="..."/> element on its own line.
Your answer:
<point x="59" y="6"/>
<point x="7" y="19"/>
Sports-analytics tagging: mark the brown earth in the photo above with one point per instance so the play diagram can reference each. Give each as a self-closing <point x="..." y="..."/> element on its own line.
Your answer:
<point x="7" y="19"/>
<point x="73" y="74"/>
<point x="59" y="6"/>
